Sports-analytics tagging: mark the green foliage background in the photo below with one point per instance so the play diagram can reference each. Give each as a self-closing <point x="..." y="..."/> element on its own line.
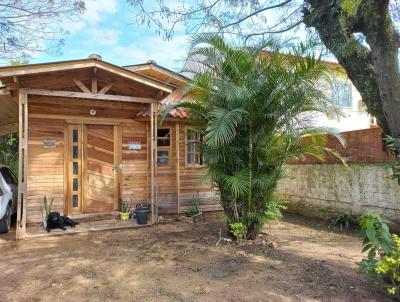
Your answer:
<point x="9" y="152"/>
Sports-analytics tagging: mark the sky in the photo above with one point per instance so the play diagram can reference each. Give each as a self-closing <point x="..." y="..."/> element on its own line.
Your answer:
<point x="108" y="28"/>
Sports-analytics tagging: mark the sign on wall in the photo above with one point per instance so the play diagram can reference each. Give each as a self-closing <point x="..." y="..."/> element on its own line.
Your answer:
<point x="135" y="145"/>
<point x="49" y="143"/>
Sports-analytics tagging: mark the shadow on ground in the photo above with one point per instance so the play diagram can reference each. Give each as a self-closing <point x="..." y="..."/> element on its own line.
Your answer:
<point x="180" y="262"/>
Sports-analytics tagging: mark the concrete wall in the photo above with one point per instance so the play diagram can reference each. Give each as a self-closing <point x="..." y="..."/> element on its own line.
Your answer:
<point x="324" y="190"/>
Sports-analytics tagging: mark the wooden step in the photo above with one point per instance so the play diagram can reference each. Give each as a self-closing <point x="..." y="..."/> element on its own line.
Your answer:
<point x="94" y="216"/>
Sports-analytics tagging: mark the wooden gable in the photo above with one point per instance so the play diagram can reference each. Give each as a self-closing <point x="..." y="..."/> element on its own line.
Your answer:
<point x="88" y="78"/>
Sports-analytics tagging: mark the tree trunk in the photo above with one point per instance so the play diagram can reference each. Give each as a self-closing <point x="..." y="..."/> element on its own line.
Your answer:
<point x="374" y="71"/>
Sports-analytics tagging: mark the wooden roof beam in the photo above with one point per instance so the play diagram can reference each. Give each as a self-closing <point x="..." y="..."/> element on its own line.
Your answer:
<point x="85" y="95"/>
<point x="105" y="89"/>
<point x="81" y="86"/>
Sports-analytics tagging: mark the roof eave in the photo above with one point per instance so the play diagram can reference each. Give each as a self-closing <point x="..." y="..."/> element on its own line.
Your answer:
<point x="11" y="71"/>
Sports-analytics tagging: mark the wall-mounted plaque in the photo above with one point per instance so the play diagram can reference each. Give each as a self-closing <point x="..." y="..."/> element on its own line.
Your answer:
<point x="49" y="143"/>
<point x="135" y="145"/>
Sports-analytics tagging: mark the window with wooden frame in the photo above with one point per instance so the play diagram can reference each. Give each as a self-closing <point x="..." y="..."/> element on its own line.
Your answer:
<point x="163" y="146"/>
<point x="194" y="157"/>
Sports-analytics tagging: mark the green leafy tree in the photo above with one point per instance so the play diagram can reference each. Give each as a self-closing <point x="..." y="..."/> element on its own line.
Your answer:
<point x="251" y="108"/>
<point x="361" y="34"/>
<point x="9" y="152"/>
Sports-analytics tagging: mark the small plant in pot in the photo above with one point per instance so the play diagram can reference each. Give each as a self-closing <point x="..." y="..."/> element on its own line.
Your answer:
<point x="47" y="209"/>
<point x="125" y="211"/>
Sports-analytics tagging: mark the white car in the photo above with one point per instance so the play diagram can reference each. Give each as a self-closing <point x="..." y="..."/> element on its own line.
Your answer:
<point x="8" y="198"/>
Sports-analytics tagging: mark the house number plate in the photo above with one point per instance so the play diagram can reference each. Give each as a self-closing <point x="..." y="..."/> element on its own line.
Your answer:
<point x="135" y="145"/>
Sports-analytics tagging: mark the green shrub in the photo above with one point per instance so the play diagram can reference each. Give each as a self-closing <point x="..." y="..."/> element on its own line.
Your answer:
<point x="344" y="220"/>
<point x="273" y="210"/>
<point x="9" y="152"/>
<point x="393" y="145"/>
<point x="383" y="261"/>
<point x="388" y="268"/>
<point x="238" y="230"/>
<point x="195" y="209"/>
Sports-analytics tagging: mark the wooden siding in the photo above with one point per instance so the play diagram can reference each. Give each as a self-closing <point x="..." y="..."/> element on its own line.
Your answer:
<point x="191" y="182"/>
<point x="48" y="119"/>
<point x="135" y="176"/>
<point x="45" y="167"/>
<point x="166" y="177"/>
<point x="48" y="116"/>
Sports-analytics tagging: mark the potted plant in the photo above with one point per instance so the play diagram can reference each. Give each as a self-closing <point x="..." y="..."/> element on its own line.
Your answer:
<point x="142" y="211"/>
<point x="47" y="209"/>
<point x="125" y="211"/>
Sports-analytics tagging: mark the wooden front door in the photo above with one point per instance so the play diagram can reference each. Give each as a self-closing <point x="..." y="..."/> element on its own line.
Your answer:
<point x="92" y="174"/>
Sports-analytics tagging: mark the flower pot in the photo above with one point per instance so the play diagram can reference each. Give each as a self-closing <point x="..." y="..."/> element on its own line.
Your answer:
<point x="141" y="215"/>
<point x="124" y="216"/>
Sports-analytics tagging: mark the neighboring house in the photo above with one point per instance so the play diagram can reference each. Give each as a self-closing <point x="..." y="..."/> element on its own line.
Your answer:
<point x="346" y="97"/>
<point x="89" y="139"/>
<point x="340" y="89"/>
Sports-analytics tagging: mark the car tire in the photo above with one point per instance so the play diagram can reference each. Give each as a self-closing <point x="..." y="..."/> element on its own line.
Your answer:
<point x="5" y="222"/>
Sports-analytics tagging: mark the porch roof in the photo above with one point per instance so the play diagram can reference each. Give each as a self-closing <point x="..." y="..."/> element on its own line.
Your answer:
<point x="151" y="75"/>
<point x="8" y="72"/>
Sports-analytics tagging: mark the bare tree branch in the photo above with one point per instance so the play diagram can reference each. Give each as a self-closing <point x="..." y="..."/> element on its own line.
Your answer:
<point x="28" y="26"/>
<point x="256" y="13"/>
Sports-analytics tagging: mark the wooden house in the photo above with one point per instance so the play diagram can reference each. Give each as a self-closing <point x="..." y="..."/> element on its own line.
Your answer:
<point x="90" y="137"/>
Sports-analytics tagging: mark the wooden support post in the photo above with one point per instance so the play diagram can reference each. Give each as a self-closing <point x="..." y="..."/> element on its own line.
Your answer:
<point x="152" y="164"/>
<point x="155" y="159"/>
<point x="94" y="85"/>
<point x="117" y="167"/>
<point x="22" y="164"/>
<point x="178" y="170"/>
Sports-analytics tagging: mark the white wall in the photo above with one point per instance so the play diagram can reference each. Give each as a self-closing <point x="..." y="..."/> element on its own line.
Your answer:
<point x="354" y="118"/>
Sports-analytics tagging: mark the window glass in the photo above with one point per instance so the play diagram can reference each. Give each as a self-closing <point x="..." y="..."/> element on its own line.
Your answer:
<point x="163" y="137"/>
<point x="75" y="184"/>
<point x="75" y="168"/>
<point x="162" y="160"/>
<point x="14" y="178"/>
<point x="193" y="150"/>
<point x="75" y="135"/>
<point x="8" y="177"/>
<point x="341" y="93"/>
<point x="75" y="153"/>
<point x="163" y="145"/>
<point x="163" y="156"/>
<point x="75" y="201"/>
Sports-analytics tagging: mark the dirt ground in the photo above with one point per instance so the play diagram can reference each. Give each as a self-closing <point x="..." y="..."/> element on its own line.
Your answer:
<point x="180" y="262"/>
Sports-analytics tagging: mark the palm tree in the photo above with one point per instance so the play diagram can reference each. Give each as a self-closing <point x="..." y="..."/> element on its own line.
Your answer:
<point x="251" y="107"/>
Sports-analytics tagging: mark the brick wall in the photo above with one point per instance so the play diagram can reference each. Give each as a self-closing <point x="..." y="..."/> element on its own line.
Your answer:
<point x="324" y="189"/>
<point x="362" y="146"/>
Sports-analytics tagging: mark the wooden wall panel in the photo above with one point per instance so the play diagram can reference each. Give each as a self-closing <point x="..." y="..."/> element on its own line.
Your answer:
<point x="134" y="164"/>
<point x="81" y="108"/>
<point x="191" y="184"/>
<point x="166" y="178"/>
<point x="45" y="167"/>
